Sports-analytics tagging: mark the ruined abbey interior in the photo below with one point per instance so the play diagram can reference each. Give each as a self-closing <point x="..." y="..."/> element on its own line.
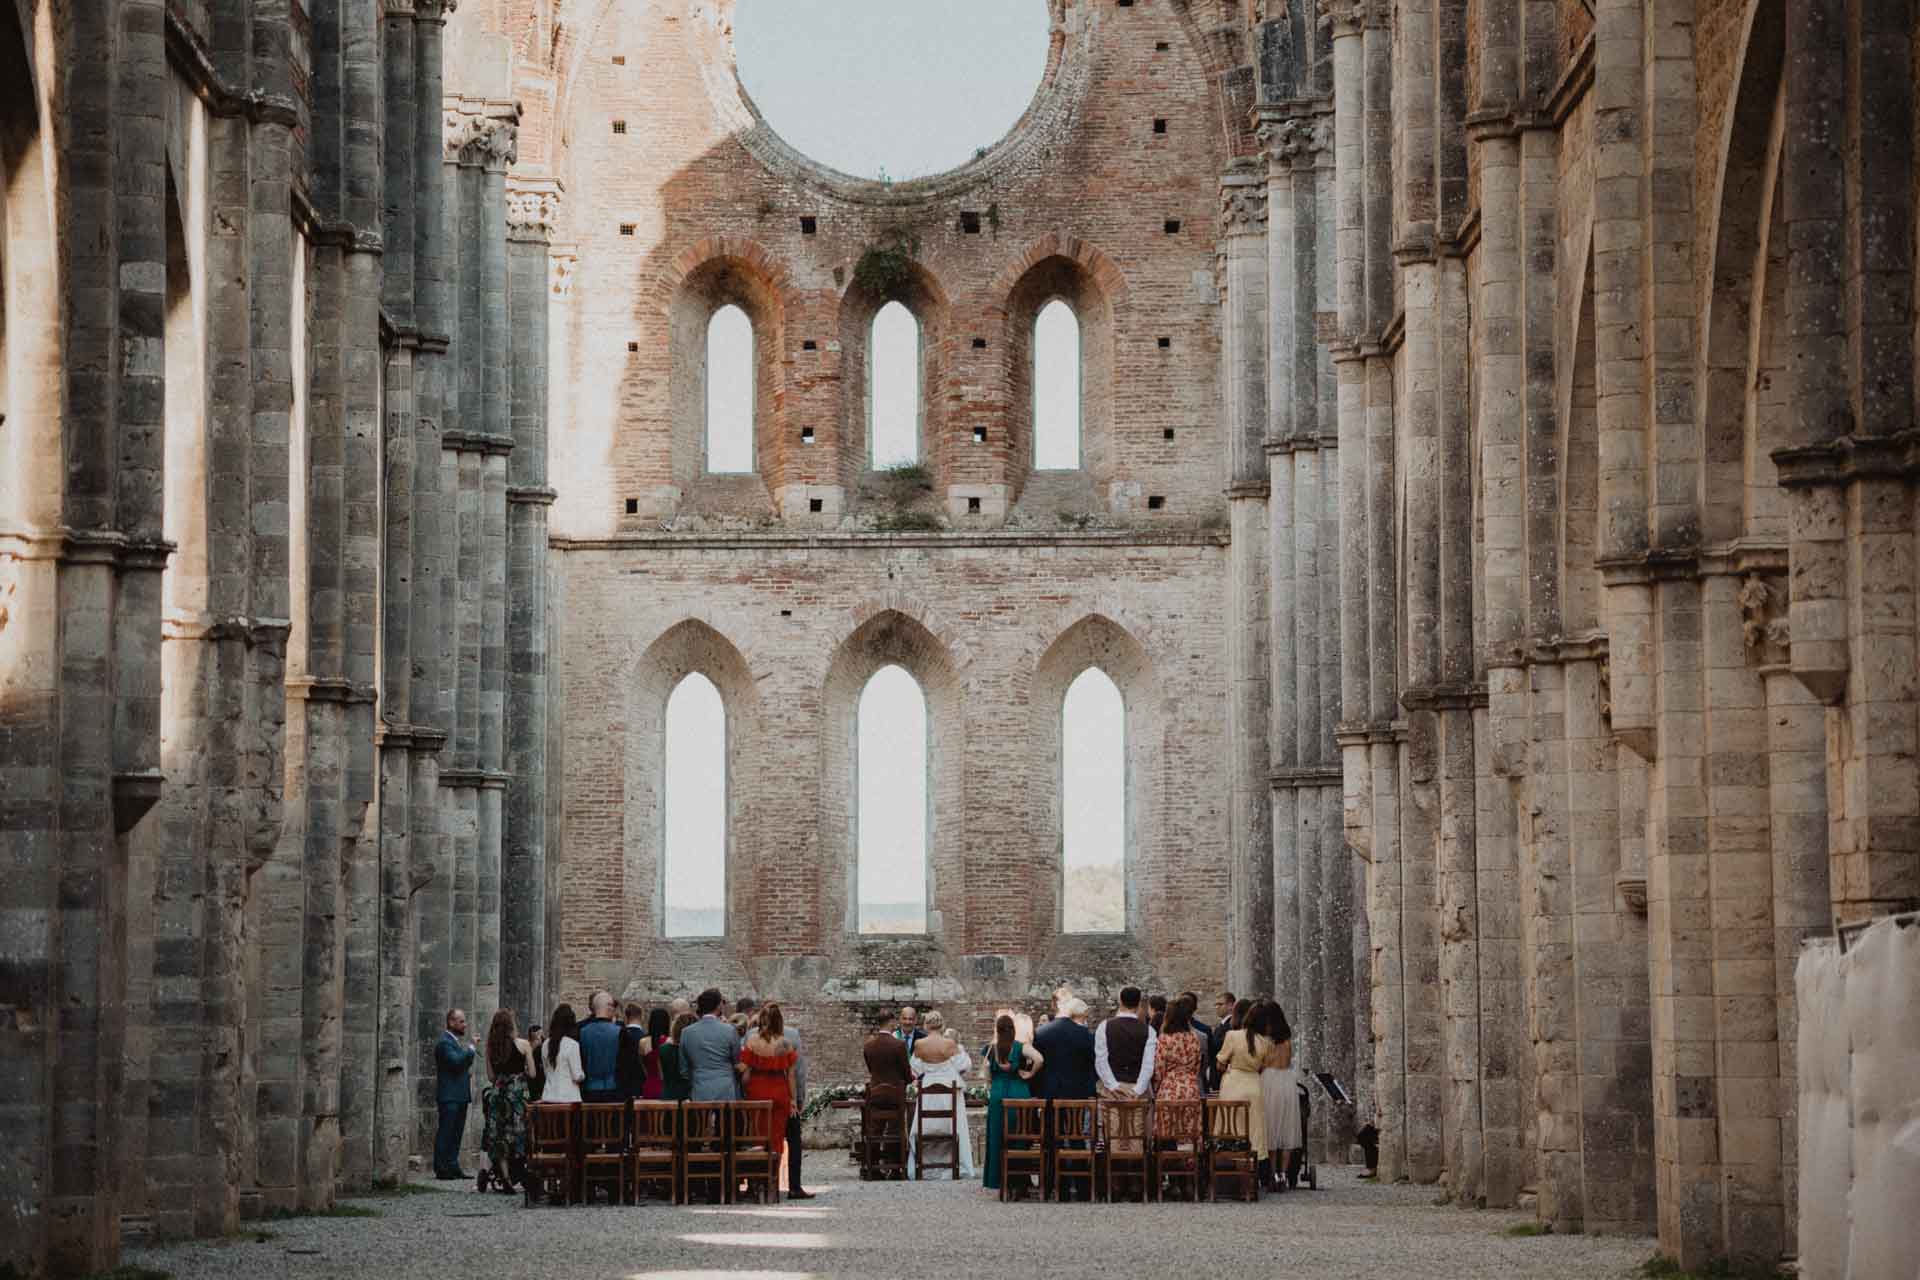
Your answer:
<point x="1493" y="493"/>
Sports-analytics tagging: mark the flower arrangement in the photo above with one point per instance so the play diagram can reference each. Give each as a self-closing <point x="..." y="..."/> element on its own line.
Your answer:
<point x="819" y="1100"/>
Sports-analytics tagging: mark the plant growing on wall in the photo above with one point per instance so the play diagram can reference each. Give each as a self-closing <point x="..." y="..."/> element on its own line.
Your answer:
<point x="888" y="263"/>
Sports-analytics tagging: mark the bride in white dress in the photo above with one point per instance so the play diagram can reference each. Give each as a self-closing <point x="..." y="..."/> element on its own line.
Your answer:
<point x="937" y="1059"/>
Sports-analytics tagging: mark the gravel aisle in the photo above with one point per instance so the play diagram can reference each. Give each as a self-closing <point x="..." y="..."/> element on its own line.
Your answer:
<point x="1346" y="1229"/>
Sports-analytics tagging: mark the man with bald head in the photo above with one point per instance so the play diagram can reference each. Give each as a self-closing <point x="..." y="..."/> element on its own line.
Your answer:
<point x="909" y="1032"/>
<point x="600" y="1051"/>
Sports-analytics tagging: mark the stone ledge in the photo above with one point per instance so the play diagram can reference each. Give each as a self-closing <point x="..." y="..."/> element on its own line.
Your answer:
<point x="856" y="540"/>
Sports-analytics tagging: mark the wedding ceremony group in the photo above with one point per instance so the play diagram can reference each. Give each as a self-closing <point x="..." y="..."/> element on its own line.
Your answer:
<point x="628" y="1080"/>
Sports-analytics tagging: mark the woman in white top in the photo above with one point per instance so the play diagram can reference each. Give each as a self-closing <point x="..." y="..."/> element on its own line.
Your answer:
<point x="562" y="1050"/>
<point x="939" y="1060"/>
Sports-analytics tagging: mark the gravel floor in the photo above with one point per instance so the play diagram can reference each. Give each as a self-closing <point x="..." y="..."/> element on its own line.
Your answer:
<point x="1346" y="1229"/>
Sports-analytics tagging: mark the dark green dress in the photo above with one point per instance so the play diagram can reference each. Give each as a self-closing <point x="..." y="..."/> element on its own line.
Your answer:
<point x="676" y="1082"/>
<point x="1006" y="1084"/>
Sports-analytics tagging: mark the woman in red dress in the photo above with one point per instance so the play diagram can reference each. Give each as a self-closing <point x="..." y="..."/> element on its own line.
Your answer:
<point x="768" y="1060"/>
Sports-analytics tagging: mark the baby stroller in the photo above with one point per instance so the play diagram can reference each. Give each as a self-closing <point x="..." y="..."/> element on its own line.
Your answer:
<point x="1308" y="1175"/>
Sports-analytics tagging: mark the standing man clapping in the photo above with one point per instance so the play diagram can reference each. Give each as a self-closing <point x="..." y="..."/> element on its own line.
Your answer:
<point x="453" y="1057"/>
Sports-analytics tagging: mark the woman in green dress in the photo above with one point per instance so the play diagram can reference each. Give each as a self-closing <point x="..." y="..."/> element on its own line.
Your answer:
<point x="676" y="1080"/>
<point x="1010" y="1064"/>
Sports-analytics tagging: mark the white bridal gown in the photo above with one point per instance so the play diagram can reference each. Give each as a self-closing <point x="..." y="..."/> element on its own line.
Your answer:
<point x="954" y="1072"/>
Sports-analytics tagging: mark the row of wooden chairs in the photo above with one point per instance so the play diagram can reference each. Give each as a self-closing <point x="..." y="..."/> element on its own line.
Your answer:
<point x="1205" y="1143"/>
<point x="574" y="1148"/>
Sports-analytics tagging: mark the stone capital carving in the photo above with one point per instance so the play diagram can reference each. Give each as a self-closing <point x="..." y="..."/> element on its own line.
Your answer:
<point x="533" y="209"/>
<point x="482" y="133"/>
<point x="563" y="267"/>
<point x="1764" y="626"/>
<point x="1296" y="140"/>
<point x="1243" y="208"/>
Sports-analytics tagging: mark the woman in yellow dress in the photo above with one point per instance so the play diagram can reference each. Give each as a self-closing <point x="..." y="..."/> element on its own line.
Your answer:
<point x="1241" y="1056"/>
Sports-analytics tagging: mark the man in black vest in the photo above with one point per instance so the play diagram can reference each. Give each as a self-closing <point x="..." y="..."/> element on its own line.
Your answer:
<point x="1123" y="1050"/>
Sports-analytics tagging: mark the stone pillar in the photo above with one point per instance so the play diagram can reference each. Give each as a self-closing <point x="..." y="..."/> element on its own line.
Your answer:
<point x="1244" y="355"/>
<point x="531" y="213"/>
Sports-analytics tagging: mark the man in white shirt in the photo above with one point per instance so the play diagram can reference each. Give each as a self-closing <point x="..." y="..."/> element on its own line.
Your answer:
<point x="1123" y="1049"/>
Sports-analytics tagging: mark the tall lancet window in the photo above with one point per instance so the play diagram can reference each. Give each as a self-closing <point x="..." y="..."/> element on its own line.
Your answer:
<point x="1093" y="805"/>
<point x="693" y="870"/>
<point x="890" y="755"/>
<point x="730" y="391"/>
<point x="893" y="387"/>
<point x="1056" y="388"/>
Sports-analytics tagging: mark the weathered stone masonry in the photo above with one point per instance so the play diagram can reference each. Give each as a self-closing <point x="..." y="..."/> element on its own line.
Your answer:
<point x="1498" y="511"/>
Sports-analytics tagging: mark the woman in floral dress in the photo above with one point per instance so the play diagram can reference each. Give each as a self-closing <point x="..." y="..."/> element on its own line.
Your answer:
<point x="1177" y="1062"/>
<point x="504" y="1104"/>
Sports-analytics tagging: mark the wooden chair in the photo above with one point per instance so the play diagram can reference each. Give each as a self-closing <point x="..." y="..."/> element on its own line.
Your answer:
<point x="1230" y="1147"/>
<point x="1125" y="1129"/>
<point x="1180" y="1142"/>
<point x="750" y="1151"/>
<point x="883" y="1136"/>
<point x="656" y="1148"/>
<point x="1023" y="1142"/>
<point x="552" y="1128"/>
<point x="935" y="1092"/>
<point x="603" y="1150"/>
<point x="703" y="1150"/>
<point x="1076" y="1132"/>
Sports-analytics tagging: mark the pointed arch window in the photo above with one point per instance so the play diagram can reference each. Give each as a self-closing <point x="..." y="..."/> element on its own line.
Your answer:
<point x="693" y="870"/>
<point x="730" y="391"/>
<point x="1056" y="388"/>
<point x="891" y="798"/>
<point x="1093" y="805"/>
<point x="893" y="387"/>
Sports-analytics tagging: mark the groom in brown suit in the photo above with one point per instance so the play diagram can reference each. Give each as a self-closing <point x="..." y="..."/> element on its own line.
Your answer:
<point x="889" y="1072"/>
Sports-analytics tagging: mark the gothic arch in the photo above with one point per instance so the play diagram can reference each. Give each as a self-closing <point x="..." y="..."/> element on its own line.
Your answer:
<point x="892" y="638"/>
<point x="1096" y="640"/>
<point x="1088" y="282"/>
<point x="688" y="647"/>
<point x="703" y="279"/>
<point x="921" y="292"/>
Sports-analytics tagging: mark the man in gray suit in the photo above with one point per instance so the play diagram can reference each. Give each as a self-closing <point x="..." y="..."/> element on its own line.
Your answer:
<point x="712" y="1050"/>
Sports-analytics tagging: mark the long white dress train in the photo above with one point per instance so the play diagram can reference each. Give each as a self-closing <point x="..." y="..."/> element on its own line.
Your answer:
<point x="952" y="1072"/>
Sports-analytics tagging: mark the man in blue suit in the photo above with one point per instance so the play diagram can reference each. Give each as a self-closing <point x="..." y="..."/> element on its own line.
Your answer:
<point x="1067" y="1046"/>
<point x="712" y="1050"/>
<point x="600" y="1051"/>
<point x="452" y="1060"/>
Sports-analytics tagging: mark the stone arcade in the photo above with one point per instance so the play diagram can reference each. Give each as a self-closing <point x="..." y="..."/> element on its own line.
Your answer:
<point x="1497" y="508"/>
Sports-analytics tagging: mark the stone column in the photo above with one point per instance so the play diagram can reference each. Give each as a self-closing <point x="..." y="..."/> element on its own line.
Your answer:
<point x="531" y="213"/>
<point x="1244" y="355"/>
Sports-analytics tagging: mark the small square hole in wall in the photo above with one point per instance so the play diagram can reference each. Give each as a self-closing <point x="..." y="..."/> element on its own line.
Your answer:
<point x="816" y="505"/>
<point x="628" y="228"/>
<point x="1166" y="344"/>
<point x="979" y="344"/>
<point x="1167" y="434"/>
<point x="788" y="613"/>
<point x="806" y="435"/>
<point x="1159" y="125"/>
<point x="619" y="59"/>
<point x="973" y="506"/>
<point x="633" y="348"/>
<point x="1161" y="46"/>
<point x="979" y="435"/>
<point x="809" y="345"/>
<point x="1172" y="226"/>
<point x="1126" y="4"/>
<point x="809" y="225"/>
<point x="619" y="126"/>
<point x="970" y="222"/>
<point x="633" y="506"/>
<point x="1155" y="502"/>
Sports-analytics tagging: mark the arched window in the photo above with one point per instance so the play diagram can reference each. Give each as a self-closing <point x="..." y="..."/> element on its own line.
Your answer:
<point x="893" y="387"/>
<point x="730" y="391"/>
<point x="1093" y="805"/>
<point x="693" y="869"/>
<point x="890" y="754"/>
<point x="1056" y="388"/>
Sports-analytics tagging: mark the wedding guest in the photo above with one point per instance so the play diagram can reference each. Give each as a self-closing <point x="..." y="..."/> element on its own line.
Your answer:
<point x="1011" y="1065"/>
<point x="1200" y="1028"/>
<point x="1223" y="1006"/>
<point x="938" y="1060"/>
<point x="1067" y="1046"/>
<point x="769" y="1060"/>
<point x="1242" y="1055"/>
<point x="504" y="1104"/>
<point x="652" y="1079"/>
<point x="796" y="1191"/>
<point x="1177" y="1066"/>
<point x="908" y="1029"/>
<point x="600" y="1050"/>
<point x="536" y="1036"/>
<point x="630" y="1065"/>
<point x="562" y="1058"/>
<point x="1123" y="1049"/>
<point x="453" y="1059"/>
<point x="712" y="1050"/>
<point x="889" y="1067"/>
<point x="1279" y="1092"/>
<point x="676" y="1080"/>
<point x="679" y="1006"/>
